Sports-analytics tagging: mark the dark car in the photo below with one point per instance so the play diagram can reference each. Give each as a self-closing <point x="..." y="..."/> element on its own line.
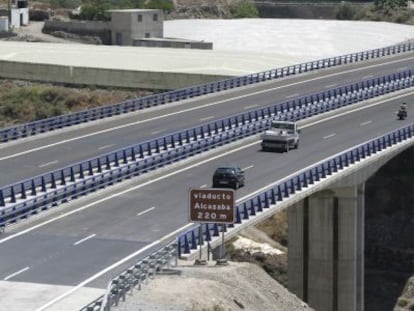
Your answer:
<point x="228" y="176"/>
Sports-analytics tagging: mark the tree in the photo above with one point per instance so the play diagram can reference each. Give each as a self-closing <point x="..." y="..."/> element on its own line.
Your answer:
<point x="159" y="4"/>
<point x="390" y="4"/>
<point x="345" y="11"/>
<point x="243" y="9"/>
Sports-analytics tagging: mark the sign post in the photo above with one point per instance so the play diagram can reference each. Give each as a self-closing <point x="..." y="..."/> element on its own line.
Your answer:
<point x="212" y="205"/>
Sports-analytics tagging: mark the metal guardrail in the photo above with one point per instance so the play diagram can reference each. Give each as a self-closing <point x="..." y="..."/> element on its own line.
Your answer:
<point x="31" y="196"/>
<point x="133" y="278"/>
<point x="191" y="241"/>
<point x="50" y="124"/>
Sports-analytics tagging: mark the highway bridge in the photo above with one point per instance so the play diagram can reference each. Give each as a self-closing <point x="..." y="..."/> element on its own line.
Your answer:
<point x="77" y="247"/>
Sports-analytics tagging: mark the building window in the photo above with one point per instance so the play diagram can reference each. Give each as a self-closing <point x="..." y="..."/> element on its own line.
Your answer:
<point x="147" y="35"/>
<point x="155" y="17"/>
<point x="139" y="18"/>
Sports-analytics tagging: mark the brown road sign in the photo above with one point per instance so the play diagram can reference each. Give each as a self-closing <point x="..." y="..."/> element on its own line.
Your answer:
<point x="212" y="205"/>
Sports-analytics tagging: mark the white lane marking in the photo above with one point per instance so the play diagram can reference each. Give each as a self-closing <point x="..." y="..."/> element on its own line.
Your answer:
<point x="291" y="96"/>
<point x="146" y="211"/>
<point x="196" y="108"/>
<point x="156" y="132"/>
<point x="48" y="163"/>
<point x="113" y="266"/>
<point x="208" y="118"/>
<point x="16" y="273"/>
<point x="324" y="119"/>
<point x="365" y="123"/>
<point x="367" y="77"/>
<point x="251" y="106"/>
<point x="203" y="186"/>
<point x="330" y="85"/>
<point x="329" y="136"/>
<point x="84" y="239"/>
<point x="248" y="167"/>
<point x="107" y="146"/>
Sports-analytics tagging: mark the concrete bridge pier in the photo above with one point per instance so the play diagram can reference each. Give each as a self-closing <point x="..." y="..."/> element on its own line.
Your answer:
<point x="326" y="249"/>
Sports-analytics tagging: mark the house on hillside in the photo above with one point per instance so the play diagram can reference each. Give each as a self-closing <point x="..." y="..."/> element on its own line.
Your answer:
<point x="17" y="14"/>
<point x="128" y="25"/>
<point x="145" y="27"/>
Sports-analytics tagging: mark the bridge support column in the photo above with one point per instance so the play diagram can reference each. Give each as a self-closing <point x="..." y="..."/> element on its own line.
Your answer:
<point x="326" y="249"/>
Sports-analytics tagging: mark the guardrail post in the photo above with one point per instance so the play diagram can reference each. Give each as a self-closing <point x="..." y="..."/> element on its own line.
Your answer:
<point x="305" y="180"/>
<point x="43" y="184"/>
<point x="32" y="188"/>
<point x="98" y="164"/>
<point x="22" y="191"/>
<point x="252" y="209"/>
<point x="259" y="204"/>
<point x="279" y="193"/>
<point x="52" y="181"/>
<point x="298" y="183"/>
<point x="116" y="159"/>
<point x="149" y="151"/>
<point x="107" y="164"/>
<point x="90" y="168"/>
<point x="238" y="217"/>
<point x="285" y="190"/>
<point x="1" y="198"/>
<point x="311" y="179"/>
<point x="207" y="233"/>
<point x="62" y="178"/>
<point x="245" y="211"/>
<point x="133" y="158"/>
<point x="186" y="245"/>
<point x="12" y="195"/>
<point x="193" y="240"/>
<point x="215" y="230"/>
<point x="81" y="175"/>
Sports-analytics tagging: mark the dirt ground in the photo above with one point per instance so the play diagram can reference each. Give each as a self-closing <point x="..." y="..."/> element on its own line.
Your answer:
<point x="236" y="286"/>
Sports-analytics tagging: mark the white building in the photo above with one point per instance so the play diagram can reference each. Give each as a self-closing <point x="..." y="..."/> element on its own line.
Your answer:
<point x="128" y="25"/>
<point x="18" y="15"/>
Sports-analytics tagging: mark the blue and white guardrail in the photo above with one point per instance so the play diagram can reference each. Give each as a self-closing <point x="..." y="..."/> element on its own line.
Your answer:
<point x="133" y="278"/>
<point x="31" y="196"/>
<point x="50" y="124"/>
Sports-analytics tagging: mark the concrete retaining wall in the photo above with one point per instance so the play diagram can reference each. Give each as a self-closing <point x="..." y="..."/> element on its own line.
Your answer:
<point x="82" y="28"/>
<point x="102" y="77"/>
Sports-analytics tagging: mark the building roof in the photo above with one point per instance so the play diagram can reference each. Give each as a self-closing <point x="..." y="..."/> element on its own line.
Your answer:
<point x="133" y="11"/>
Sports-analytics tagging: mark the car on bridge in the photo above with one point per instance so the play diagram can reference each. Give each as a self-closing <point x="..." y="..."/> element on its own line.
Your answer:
<point x="228" y="176"/>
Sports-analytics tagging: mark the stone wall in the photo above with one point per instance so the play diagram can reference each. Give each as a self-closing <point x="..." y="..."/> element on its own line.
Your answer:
<point x="81" y="28"/>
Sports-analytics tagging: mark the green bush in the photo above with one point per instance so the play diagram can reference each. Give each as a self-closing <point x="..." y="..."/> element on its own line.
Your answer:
<point x="95" y="13"/>
<point x="160" y="4"/>
<point x="402" y="302"/>
<point x="345" y="11"/>
<point x="66" y="4"/>
<point x="243" y="9"/>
